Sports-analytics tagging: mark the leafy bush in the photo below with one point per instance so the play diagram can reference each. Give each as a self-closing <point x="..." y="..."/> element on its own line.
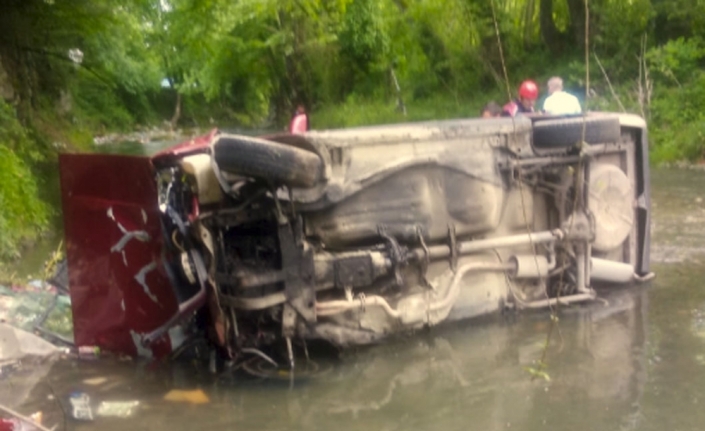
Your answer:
<point x="678" y="104"/>
<point x="677" y="60"/>
<point x="23" y="216"/>
<point x="99" y="108"/>
<point x="678" y="122"/>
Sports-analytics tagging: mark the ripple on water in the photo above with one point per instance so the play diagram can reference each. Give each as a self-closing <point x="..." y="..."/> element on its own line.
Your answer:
<point x="676" y="253"/>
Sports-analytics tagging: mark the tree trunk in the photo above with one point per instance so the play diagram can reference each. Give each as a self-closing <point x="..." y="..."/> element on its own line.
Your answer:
<point x="177" y="111"/>
<point x="292" y="60"/>
<point x="552" y="37"/>
<point x="576" y="9"/>
<point x="528" y="20"/>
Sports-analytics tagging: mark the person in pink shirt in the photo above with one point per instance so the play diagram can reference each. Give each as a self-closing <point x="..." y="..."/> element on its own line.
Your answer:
<point x="299" y="122"/>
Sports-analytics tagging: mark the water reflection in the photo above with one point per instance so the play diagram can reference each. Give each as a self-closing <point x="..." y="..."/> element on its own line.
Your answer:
<point x="148" y="147"/>
<point x="679" y="215"/>
<point x="474" y="377"/>
<point x="136" y="148"/>
<point x="464" y="377"/>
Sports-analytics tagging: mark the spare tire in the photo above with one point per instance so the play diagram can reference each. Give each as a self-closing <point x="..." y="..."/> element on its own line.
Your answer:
<point x="259" y="158"/>
<point x="567" y="132"/>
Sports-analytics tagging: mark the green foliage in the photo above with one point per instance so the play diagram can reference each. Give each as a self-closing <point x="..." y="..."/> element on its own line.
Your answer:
<point x="678" y="106"/>
<point x="360" y="111"/>
<point x="99" y="108"/>
<point x="677" y="18"/>
<point x="617" y="33"/>
<point x="253" y="60"/>
<point x="22" y="214"/>
<point x="677" y="60"/>
<point x="679" y="113"/>
<point x="362" y="38"/>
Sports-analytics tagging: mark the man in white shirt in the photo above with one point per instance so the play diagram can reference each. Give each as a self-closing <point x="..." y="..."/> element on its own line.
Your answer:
<point x="559" y="102"/>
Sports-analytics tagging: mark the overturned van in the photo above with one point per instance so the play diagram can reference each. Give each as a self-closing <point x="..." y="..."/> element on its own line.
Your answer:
<point x="352" y="235"/>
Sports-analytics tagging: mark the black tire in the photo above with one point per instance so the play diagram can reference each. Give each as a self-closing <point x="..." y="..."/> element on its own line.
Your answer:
<point x="259" y="158"/>
<point x="568" y="132"/>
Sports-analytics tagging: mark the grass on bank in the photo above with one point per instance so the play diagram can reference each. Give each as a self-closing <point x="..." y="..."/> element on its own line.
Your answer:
<point x="363" y="112"/>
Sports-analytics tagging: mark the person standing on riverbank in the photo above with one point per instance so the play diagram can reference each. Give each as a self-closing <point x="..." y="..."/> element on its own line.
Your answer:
<point x="299" y="122"/>
<point x="558" y="101"/>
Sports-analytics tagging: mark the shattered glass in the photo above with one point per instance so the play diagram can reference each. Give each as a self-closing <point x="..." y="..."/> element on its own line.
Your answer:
<point x="39" y="307"/>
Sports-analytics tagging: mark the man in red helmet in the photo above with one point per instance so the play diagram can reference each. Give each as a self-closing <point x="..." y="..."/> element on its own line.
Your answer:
<point x="528" y="93"/>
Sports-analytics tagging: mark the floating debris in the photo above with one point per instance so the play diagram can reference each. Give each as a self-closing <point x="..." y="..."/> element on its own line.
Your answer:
<point x="119" y="409"/>
<point x="95" y="381"/>
<point x="81" y="406"/>
<point x="196" y="396"/>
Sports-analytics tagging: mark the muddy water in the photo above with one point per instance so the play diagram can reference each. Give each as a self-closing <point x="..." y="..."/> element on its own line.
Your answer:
<point x="634" y="361"/>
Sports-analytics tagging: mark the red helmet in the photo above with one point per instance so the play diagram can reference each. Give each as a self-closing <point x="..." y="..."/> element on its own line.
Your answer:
<point x="529" y="90"/>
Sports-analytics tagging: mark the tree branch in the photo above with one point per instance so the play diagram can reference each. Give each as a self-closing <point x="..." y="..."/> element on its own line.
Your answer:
<point x="107" y="81"/>
<point x="609" y="83"/>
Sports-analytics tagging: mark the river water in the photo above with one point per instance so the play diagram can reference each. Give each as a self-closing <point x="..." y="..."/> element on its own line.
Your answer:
<point x="633" y="362"/>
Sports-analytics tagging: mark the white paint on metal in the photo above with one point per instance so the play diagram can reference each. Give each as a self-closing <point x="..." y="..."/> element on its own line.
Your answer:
<point x="141" y="278"/>
<point x="142" y="350"/>
<point x="140" y="235"/>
